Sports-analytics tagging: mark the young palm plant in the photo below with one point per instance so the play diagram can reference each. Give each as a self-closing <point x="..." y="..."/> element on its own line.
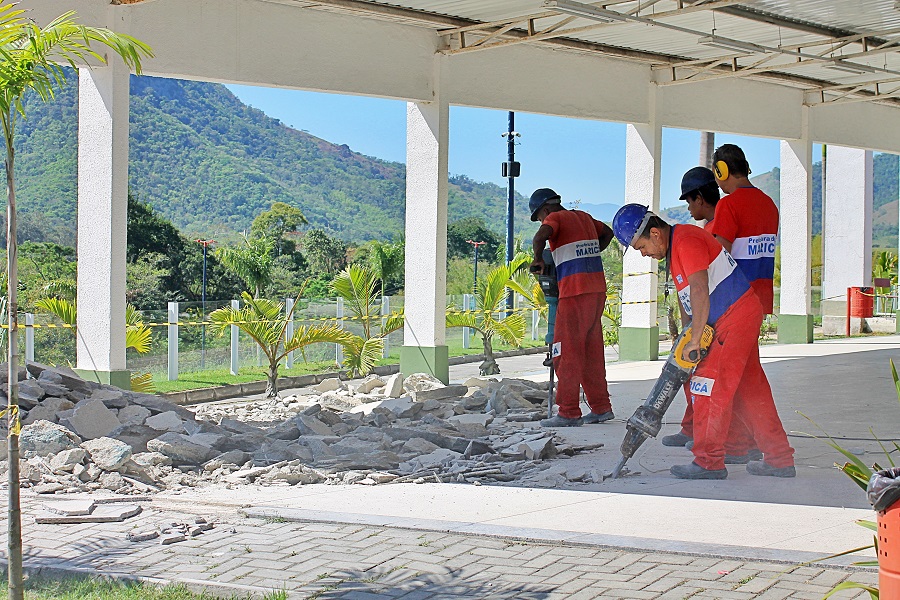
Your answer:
<point x="265" y="322"/>
<point x="137" y="334"/>
<point x="490" y="298"/>
<point x="357" y="286"/>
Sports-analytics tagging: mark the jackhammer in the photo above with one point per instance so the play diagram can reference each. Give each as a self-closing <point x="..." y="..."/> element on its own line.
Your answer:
<point x="550" y="287"/>
<point x="647" y="419"/>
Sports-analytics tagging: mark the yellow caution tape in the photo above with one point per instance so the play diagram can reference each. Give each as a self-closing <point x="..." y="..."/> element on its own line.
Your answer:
<point x="13" y="422"/>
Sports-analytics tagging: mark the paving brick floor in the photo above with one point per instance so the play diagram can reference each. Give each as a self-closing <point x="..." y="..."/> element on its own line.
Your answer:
<point x="361" y="562"/>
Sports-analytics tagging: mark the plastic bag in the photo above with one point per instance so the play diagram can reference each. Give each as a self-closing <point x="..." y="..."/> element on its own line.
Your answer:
<point x="884" y="489"/>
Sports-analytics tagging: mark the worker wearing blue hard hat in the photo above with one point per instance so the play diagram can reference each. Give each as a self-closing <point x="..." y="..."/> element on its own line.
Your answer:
<point x="713" y="290"/>
<point x="700" y="191"/>
<point x="576" y="240"/>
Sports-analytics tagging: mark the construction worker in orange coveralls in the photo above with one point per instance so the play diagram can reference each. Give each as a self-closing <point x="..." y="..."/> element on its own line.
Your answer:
<point x="576" y="241"/>
<point x="712" y="289"/>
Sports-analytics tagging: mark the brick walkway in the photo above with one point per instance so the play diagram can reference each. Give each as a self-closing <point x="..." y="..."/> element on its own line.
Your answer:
<point x="331" y="560"/>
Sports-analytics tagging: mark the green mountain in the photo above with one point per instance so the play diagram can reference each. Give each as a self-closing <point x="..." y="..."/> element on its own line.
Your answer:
<point x="885" y="199"/>
<point x="210" y="164"/>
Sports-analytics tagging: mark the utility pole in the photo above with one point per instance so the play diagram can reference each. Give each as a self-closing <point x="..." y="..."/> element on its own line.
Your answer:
<point x="206" y="244"/>
<point x="510" y="169"/>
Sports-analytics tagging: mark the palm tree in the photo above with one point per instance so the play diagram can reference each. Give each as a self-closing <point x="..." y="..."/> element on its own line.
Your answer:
<point x="263" y="320"/>
<point x="356" y="285"/>
<point x="137" y="334"/>
<point x="490" y="297"/>
<point x="32" y="59"/>
<point x="253" y="261"/>
<point x="385" y="260"/>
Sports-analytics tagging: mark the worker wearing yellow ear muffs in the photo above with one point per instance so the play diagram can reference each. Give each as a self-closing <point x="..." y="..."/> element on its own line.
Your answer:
<point x="746" y="224"/>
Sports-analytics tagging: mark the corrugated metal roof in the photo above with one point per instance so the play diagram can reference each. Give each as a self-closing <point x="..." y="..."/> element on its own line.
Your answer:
<point x="774" y="24"/>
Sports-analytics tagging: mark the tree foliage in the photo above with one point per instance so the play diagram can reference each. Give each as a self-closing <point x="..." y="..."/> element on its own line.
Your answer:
<point x="475" y="229"/>
<point x="280" y="220"/>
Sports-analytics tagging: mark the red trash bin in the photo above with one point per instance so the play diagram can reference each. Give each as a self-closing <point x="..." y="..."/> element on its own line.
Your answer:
<point x="862" y="302"/>
<point x="883" y="493"/>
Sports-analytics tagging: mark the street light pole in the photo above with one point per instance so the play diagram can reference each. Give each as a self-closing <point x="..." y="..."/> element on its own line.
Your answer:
<point x="510" y="170"/>
<point x="475" y="281"/>
<point x="206" y="244"/>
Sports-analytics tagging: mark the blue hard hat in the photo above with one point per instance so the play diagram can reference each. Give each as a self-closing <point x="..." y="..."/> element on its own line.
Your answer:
<point x="629" y="221"/>
<point x="539" y="198"/>
<point x="695" y="179"/>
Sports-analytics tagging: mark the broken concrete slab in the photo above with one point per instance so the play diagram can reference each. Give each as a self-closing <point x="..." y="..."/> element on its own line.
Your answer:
<point x="180" y="449"/>
<point x="103" y="513"/>
<point x="166" y="421"/>
<point x="133" y="415"/>
<point x="43" y="438"/>
<point x="369" y="383"/>
<point x="107" y="453"/>
<point x="67" y="459"/>
<point x="442" y="393"/>
<point x="92" y="419"/>
<point x="71" y="508"/>
<point x="393" y="386"/>
<point x="312" y="426"/>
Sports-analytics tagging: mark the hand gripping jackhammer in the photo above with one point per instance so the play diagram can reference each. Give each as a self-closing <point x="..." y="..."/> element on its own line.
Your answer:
<point x="647" y="419"/>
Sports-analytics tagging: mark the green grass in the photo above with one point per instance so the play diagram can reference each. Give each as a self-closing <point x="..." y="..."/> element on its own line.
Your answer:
<point x="87" y="588"/>
<point x="193" y="380"/>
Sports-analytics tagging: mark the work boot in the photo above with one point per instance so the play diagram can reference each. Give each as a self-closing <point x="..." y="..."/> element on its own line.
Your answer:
<point x="592" y="417"/>
<point x="677" y="439"/>
<point x="695" y="471"/>
<point x="560" y="421"/>
<point x="755" y="454"/>
<point x="737" y="459"/>
<point x="760" y="467"/>
<point x="690" y="445"/>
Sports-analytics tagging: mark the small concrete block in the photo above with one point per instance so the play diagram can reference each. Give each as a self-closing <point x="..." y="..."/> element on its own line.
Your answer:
<point x="393" y="387"/>
<point x="329" y="385"/>
<point x="478" y="382"/>
<point x="370" y="383"/>
<point x="142" y="536"/>
<point x="473" y="419"/>
<point x="171" y="538"/>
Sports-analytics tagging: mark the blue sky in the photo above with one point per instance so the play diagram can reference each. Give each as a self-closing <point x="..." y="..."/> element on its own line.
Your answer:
<point x="582" y="160"/>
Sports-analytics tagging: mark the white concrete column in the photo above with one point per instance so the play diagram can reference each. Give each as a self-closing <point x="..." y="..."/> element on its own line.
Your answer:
<point x="848" y="232"/>
<point x="795" y="322"/>
<point x="103" y="96"/>
<point x="639" y="333"/>
<point x="427" y="136"/>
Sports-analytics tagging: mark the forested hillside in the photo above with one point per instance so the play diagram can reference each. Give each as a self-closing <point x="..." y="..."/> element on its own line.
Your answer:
<point x="210" y="163"/>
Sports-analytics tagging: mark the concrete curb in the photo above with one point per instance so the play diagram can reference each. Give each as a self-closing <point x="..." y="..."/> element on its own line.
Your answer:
<point x="556" y="537"/>
<point x="253" y="388"/>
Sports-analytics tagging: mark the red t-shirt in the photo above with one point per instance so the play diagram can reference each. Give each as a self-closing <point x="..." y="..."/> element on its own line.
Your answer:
<point x="749" y="220"/>
<point x="694" y="250"/>
<point x="575" y="246"/>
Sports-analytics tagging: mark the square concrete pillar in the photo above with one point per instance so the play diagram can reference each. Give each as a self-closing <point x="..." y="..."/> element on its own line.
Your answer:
<point x="639" y="332"/>
<point x="847" y="254"/>
<point x="795" y="319"/>
<point x="103" y="96"/>
<point x="424" y="347"/>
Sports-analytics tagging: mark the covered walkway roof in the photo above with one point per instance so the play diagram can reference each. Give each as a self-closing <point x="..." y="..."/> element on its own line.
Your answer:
<point x="836" y="51"/>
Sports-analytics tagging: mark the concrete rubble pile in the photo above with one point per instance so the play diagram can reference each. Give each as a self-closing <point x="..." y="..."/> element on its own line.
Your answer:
<point x="79" y="436"/>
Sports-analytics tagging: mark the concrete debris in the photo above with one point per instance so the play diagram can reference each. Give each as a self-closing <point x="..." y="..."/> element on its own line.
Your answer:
<point x="85" y="437"/>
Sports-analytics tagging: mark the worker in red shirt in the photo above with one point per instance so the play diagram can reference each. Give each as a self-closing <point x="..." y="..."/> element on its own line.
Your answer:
<point x="576" y="241"/>
<point x="746" y="225"/>
<point x="713" y="290"/>
<point x="699" y="189"/>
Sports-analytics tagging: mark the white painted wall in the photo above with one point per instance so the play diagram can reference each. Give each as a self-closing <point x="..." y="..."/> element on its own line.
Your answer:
<point x="643" y="146"/>
<point x="848" y="221"/>
<point x="103" y="97"/>
<point x="427" y="137"/>
<point x="796" y="226"/>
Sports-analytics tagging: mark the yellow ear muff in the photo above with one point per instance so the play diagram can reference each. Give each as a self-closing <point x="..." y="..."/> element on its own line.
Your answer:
<point x="721" y="170"/>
